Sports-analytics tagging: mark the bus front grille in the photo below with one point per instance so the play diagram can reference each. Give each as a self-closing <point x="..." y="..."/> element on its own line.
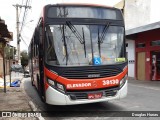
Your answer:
<point x="91" y="73"/>
<point x="110" y="93"/>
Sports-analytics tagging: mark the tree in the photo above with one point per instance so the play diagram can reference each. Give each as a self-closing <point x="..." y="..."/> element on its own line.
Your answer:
<point x="10" y="53"/>
<point x="24" y="58"/>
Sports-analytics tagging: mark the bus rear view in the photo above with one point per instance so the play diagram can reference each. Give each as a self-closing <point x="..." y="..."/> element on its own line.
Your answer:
<point x="81" y="54"/>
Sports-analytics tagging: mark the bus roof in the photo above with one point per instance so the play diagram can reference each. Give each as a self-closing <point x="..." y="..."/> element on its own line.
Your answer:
<point x="85" y="4"/>
<point x="81" y="4"/>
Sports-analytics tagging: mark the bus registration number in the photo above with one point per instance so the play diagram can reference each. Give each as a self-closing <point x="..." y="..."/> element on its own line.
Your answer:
<point x="110" y="82"/>
<point x="94" y="95"/>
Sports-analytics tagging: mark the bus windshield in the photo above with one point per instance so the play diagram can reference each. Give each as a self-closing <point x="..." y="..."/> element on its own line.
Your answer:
<point x="78" y="45"/>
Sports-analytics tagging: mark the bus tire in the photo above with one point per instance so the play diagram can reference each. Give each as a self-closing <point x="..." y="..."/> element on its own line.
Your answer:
<point x="32" y="81"/>
<point x="40" y="90"/>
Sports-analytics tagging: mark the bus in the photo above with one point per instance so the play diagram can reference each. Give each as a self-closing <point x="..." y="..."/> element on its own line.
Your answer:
<point x="77" y="54"/>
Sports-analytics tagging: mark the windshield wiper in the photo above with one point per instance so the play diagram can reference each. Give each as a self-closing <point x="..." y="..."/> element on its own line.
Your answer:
<point x="104" y="33"/>
<point x="65" y="44"/>
<point x="84" y="42"/>
<point x="99" y="44"/>
<point x="75" y="32"/>
<point x="100" y="39"/>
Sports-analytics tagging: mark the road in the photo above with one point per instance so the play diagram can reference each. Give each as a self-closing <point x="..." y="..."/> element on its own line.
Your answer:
<point x="142" y="96"/>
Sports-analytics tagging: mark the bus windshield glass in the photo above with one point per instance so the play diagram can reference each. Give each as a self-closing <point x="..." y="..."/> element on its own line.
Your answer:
<point x="83" y="12"/>
<point x="80" y="45"/>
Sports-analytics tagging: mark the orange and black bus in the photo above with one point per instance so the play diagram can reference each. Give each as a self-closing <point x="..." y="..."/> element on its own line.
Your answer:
<point x="78" y="55"/>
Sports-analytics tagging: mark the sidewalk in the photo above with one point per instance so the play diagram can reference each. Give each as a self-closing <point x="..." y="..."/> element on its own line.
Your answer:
<point x="15" y="98"/>
<point x="146" y="83"/>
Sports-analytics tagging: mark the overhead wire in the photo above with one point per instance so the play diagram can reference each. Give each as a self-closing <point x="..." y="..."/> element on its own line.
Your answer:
<point x="24" y="41"/>
<point x="24" y="16"/>
<point x="28" y="2"/>
<point x="20" y="10"/>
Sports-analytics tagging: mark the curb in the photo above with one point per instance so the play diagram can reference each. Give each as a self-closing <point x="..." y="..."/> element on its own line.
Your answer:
<point x="30" y="103"/>
<point x="33" y="107"/>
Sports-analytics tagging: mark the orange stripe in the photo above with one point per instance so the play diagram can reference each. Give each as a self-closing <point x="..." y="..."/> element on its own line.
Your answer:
<point x="95" y="83"/>
<point x="50" y="74"/>
<point x="46" y="84"/>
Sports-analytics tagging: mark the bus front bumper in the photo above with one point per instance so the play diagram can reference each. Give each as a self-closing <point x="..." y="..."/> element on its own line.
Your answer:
<point x="55" y="97"/>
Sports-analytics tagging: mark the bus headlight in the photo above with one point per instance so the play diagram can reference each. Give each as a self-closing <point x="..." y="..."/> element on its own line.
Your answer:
<point x="56" y="85"/>
<point x="60" y="87"/>
<point x="51" y="82"/>
<point x="122" y="82"/>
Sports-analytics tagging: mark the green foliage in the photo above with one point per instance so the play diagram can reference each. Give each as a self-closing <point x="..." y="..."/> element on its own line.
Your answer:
<point x="24" y="58"/>
<point x="10" y="53"/>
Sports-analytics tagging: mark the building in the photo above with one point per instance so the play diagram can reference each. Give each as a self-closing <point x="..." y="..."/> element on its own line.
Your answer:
<point x="143" y="38"/>
<point x="5" y="36"/>
<point x="146" y="42"/>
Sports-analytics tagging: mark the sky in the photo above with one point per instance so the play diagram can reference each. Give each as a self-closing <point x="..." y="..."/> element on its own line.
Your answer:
<point x="8" y="13"/>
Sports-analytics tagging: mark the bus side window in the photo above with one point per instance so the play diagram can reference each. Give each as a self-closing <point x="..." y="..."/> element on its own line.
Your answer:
<point x="40" y="41"/>
<point x="51" y="55"/>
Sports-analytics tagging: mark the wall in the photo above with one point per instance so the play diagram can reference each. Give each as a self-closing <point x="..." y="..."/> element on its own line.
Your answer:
<point x="154" y="15"/>
<point x="7" y="67"/>
<point x="141" y="12"/>
<point x="137" y="13"/>
<point x="147" y="37"/>
<point x="131" y="58"/>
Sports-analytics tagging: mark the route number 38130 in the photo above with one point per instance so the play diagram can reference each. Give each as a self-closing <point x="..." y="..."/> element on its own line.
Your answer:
<point x="110" y="82"/>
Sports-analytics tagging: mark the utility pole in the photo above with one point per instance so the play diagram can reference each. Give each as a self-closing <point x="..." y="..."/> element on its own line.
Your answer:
<point x="4" y="70"/>
<point x="17" y="27"/>
<point x="9" y="63"/>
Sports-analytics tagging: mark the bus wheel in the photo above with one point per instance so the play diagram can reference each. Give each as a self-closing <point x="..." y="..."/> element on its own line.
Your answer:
<point x="40" y="90"/>
<point x="32" y="81"/>
<point x="43" y="99"/>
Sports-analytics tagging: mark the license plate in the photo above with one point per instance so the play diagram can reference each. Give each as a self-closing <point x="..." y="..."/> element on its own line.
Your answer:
<point x="94" y="95"/>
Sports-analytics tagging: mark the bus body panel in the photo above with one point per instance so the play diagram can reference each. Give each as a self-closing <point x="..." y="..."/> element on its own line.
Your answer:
<point x="41" y="71"/>
<point x="55" y="97"/>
